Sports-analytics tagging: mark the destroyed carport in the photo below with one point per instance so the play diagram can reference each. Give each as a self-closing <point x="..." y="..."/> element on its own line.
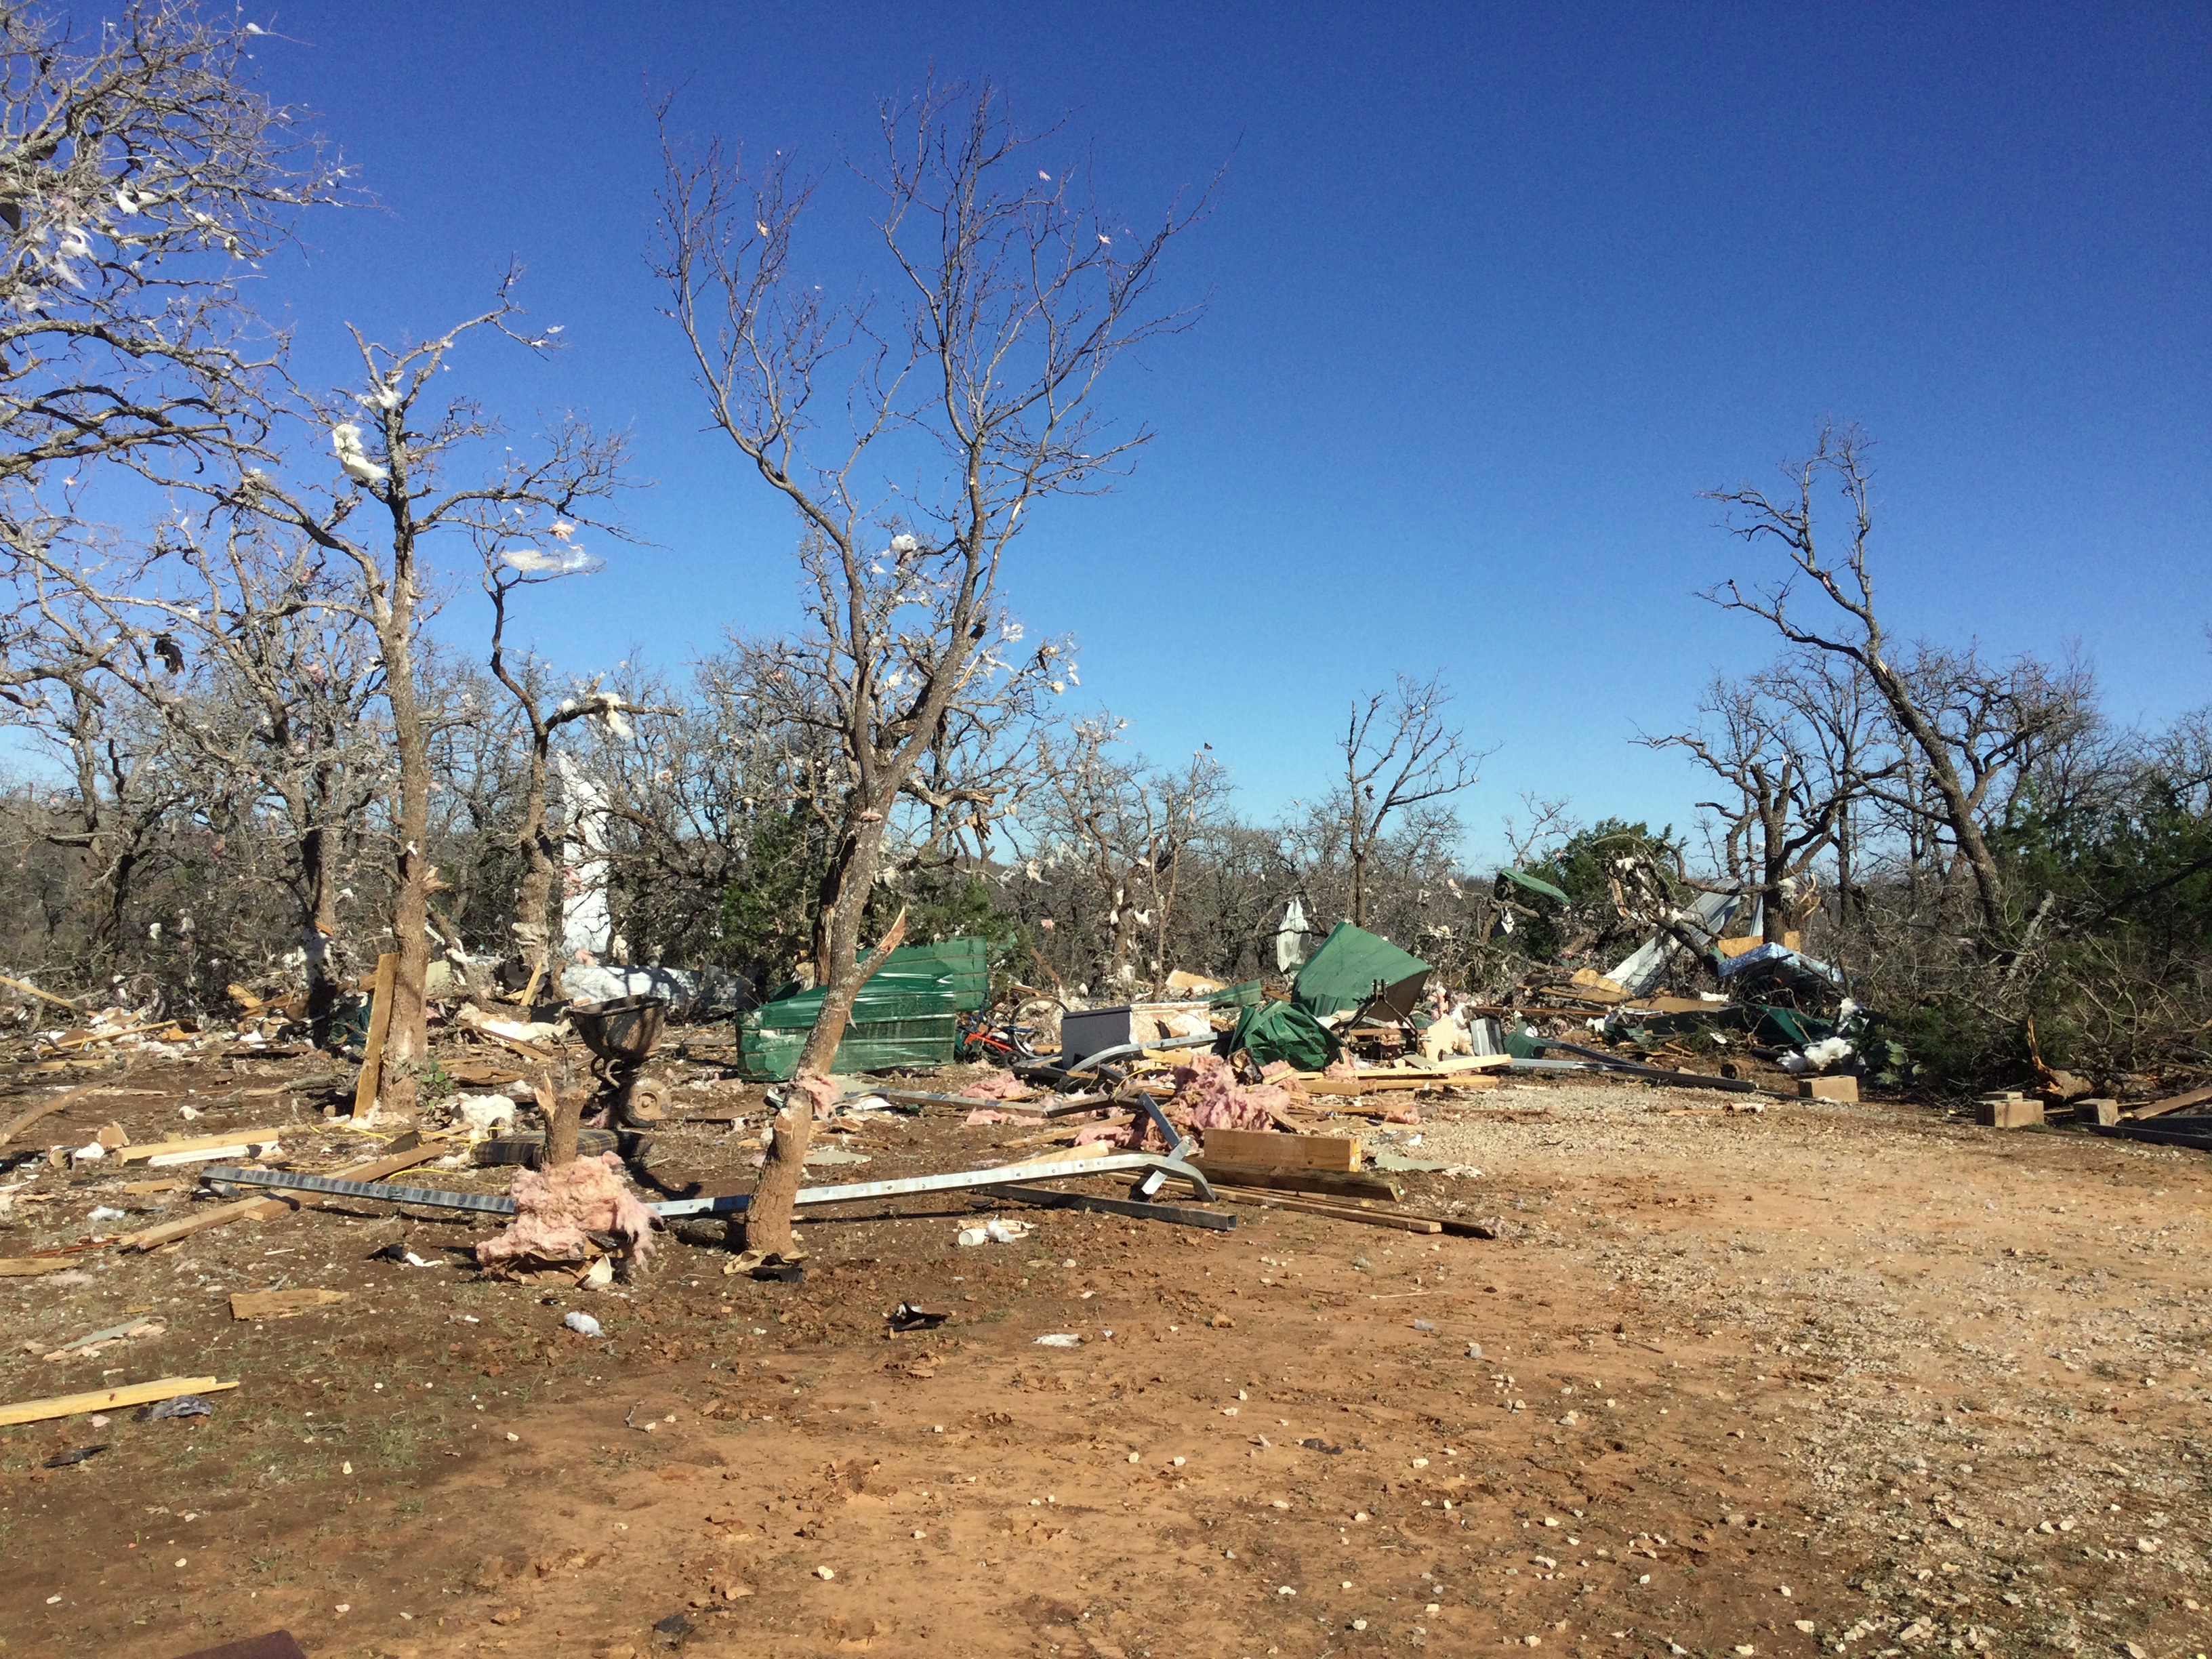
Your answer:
<point x="906" y="1015"/>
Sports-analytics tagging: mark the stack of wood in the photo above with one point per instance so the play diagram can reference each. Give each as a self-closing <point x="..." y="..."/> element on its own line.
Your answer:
<point x="1315" y="1175"/>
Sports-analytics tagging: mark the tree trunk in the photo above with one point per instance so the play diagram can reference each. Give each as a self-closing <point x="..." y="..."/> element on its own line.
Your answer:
<point x="533" y="895"/>
<point x="1958" y="811"/>
<point x="318" y="937"/>
<point x="405" y="1041"/>
<point x="766" y="1222"/>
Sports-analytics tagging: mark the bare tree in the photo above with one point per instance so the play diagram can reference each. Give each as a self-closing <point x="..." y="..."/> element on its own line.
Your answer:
<point x="1014" y="292"/>
<point x="1132" y="830"/>
<point x="245" y="654"/>
<point x="511" y="563"/>
<point x="1785" y="807"/>
<point x="1839" y="460"/>
<point x="1398" y="753"/>
<point x="393" y="468"/>
<point x="141" y="176"/>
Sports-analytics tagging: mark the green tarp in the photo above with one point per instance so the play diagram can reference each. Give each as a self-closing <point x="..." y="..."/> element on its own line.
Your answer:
<point x="1535" y="884"/>
<point x="906" y="1014"/>
<point x="1342" y="974"/>
<point x="1283" y="1030"/>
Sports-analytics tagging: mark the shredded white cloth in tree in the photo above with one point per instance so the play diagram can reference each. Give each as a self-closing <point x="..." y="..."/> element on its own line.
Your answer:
<point x="345" y="444"/>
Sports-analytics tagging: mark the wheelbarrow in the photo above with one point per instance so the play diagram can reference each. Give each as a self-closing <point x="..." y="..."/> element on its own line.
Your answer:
<point x="621" y="1035"/>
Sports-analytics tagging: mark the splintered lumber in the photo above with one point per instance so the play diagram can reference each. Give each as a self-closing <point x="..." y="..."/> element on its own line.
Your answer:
<point x="24" y="1267"/>
<point x="47" y="1109"/>
<point x="280" y="1304"/>
<point x="1335" y="1183"/>
<point x="109" y="1400"/>
<point x="1282" y="1152"/>
<point x="2149" y="1109"/>
<point x="1380" y="1083"/>
<point x="379" y="1023"/>
<point x="1267" y="1201"/>
<point x="268" y="1209"/>
<point x="154" y="1150"/>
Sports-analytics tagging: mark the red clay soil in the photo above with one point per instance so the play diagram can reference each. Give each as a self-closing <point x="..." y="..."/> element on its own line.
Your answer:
<point x="1824" y="1379"/>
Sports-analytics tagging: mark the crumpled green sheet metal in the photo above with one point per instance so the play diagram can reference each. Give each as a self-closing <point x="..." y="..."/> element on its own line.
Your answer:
<point x="1283" y="1030"/>
<point x="1343" y="970"/>
<point x="1536" y="885"/>
<point x="906" y="1015"/>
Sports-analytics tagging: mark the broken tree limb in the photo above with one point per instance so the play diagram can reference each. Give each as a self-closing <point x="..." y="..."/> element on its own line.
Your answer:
<point x="47" y="1109"/>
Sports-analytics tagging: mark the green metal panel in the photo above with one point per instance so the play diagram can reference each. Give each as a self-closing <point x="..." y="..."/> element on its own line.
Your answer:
<point x="1345" y="968"/>
<point x="1529" y="883"/>
<point x="1246" y="993"/>
<point x="772" y="1056"/>
<point x="950" y="977"/>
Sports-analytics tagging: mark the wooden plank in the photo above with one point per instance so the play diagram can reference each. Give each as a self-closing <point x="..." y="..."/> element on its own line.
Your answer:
<point x="2151" y="1109"/>
<point x="1382" y="1083"/>
<point x="379" y="1023"/>
<point x="24" y="1267"/>
<point x="44" y="996"/>
<point x="199" y="1143"/>
<point x="268" y="1209"/>
<point x="1404" y="1224"/>
<point x="1282" y="1152"/>
<point x="109" y="1400"/>
<point x="1333" y="1182"/>
<point x="280" y="1305"/>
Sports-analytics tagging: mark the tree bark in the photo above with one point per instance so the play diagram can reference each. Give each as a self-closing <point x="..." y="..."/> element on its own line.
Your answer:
<point x="1958" y="808"/>
<point x="766" y="1222"/>
<point x="406" y="1040"/>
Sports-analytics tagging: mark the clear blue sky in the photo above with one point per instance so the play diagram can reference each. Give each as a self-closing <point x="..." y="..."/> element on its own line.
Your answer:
<point x="1495" y="292"/>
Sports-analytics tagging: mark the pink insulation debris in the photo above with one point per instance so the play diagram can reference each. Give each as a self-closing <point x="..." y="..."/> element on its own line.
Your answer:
<point x="1342" y="1066"/>
<point x="819" y="1090"/>
<point x="554" y="1209"/>
<point x="1207" y="1097"/>
<point x="984" y="1114"/>
<point x="1211" y="1098"/>
<point x="996" y="1085"/>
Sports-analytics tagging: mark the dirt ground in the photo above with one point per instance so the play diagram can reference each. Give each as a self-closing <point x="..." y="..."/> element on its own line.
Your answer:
<point x="1826" y="1378"/>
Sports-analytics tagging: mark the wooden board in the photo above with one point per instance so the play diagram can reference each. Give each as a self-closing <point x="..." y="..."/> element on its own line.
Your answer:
<point x="1333" y="1182"/>
<point x="199" y="1143"/>
<point x="1404" y="1224"/>
<point x="379" y="1022"/>
<point x="280" y="1305"/>
<point x="1387" y="1083"/>
<point x="24" y="1267"/>
<point x="2149" y="1109"/>
<point x="109" y="1400"/>
<point x="1281" y="1151"/>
